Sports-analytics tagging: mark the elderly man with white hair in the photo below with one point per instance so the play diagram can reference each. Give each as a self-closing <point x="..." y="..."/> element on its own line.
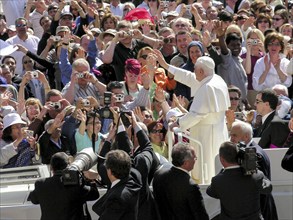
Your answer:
<point x="206" y="116"/>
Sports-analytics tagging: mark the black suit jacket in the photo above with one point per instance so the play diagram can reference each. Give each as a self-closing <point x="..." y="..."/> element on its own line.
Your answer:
<point x="275" y="133"/>
<point x="62" y="202"/>
<point x="267" y="202"/>
<point x="266" y="123"/>
<point x="287" y="162"/>
<point x="239" y="194"/>
<point x="146" y="162"/>
<point x="178" y="196"/>
<point x="121" y="201"/>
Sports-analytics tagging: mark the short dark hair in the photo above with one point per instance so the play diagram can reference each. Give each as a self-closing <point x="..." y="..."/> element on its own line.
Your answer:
<point x="231" y="37"/>
<point x="180" y="153"/>
<point x="59" y="161"/>
<point x="118" y="161"/>
<point x="270" y="96"/>
<point x="225" y="16"/>
<point x="228" y="151"/>
<point x="8" y="57"/>
<point x="114" y="85"/>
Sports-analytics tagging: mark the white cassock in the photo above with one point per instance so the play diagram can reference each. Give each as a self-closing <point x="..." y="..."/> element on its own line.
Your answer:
<point x="205" y="119"/>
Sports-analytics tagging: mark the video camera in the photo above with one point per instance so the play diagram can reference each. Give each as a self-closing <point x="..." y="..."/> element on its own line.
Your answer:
<point x="84" y="160"/>
<point x="247" y="159"/>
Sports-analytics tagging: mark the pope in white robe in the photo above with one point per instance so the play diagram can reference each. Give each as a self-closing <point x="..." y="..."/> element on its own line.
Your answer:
<point x="206" y="116"/>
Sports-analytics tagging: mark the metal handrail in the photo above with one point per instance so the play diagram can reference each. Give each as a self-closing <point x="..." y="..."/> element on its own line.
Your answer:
<point x="180" y="135"/>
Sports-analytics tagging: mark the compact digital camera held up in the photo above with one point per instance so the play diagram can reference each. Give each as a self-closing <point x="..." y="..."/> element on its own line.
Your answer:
<point x="79" y="75"/>
<point x="106" y="112"/>
<point x="55" y="105"/>
<point x="34" y="74"/>
<point x="86" y="102"/>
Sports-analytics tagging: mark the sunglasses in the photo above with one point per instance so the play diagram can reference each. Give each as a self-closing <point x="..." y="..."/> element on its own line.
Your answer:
<point x="27" y="61"/>
<point x="144" y="56"/>
<point x="277" y="19"/>
<point x="20" y="25"/>
<point x="152" y="0"/>
<point x="148" y="116"/>
<point x="274" y="44"/>
<point x="180" y="25"/>
<point x="234" y="99"/>
<point x="156" y="131"/>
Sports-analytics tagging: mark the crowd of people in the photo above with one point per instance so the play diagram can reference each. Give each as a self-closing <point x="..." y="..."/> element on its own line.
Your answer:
<point x="119" y="76"/>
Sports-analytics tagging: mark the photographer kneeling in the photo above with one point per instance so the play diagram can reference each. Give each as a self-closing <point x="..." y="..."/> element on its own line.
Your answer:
<point x="69" y="202"/>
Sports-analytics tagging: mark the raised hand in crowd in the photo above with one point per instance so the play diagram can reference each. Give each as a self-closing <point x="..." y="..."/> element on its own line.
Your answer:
<point x="138" y="113"/>
<point x="58" y="122"/>
<point x="88" y="32"/>
<point x="160" y="58"/>
<point x="5" y="97"/>
<point x="206" y="39"/>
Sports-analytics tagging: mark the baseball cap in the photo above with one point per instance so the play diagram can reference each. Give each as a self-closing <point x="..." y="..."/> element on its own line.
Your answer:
<point x="11" y="27"/>
<point x="66" y="14"/>
<point x="109" y="31"/>
<point x="62" y="28"/>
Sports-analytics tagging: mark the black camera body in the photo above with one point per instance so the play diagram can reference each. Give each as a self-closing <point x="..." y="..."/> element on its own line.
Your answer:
<point x="124" y="118"/>
<point x="247" y="159"/>
<point x="105" y="112"/>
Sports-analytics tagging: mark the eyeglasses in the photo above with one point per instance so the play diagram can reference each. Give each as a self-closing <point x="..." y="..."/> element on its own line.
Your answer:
<point x="144" y="56"/>
<point x="180" y="25"/>
<point x="258" y="101"/>
<point x="156" y="131"/>
<point x="263" y="21"/>
<point x="20" y="25"/>
<point x="234" y="99"/>
<point x="277" y="19"/>
<point x="27" y="61"/>
<point x="274" y="44"/>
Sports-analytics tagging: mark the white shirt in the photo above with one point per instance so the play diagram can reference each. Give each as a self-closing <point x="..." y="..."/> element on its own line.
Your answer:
<point x="31" y="43"/>
<point x="272" y="77"/>
<point x="115" y="182"/>
<point x="34" y="21"/>
<point x="118" y="10"/>
<point x="265" y="117"/>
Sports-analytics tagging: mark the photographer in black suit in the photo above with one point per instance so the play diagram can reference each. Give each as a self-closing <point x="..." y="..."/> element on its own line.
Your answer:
<point x="242" y="132"/>
<point x="59" y="201"/>
<point x="121" y="200"/>
<point x="239" y="194"/>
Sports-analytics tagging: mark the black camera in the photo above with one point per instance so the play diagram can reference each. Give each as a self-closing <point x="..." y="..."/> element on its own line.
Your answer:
<point x="84" y="160"/>
<point x="124" y="118"/>
<point x="105" y="112"/>
<point x="247" y="159"/>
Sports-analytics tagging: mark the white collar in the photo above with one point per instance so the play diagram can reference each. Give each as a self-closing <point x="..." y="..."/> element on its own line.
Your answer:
<point x="232" y="167"/>
<point x="115" y="182"/>
<point x="265" y="117"/>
